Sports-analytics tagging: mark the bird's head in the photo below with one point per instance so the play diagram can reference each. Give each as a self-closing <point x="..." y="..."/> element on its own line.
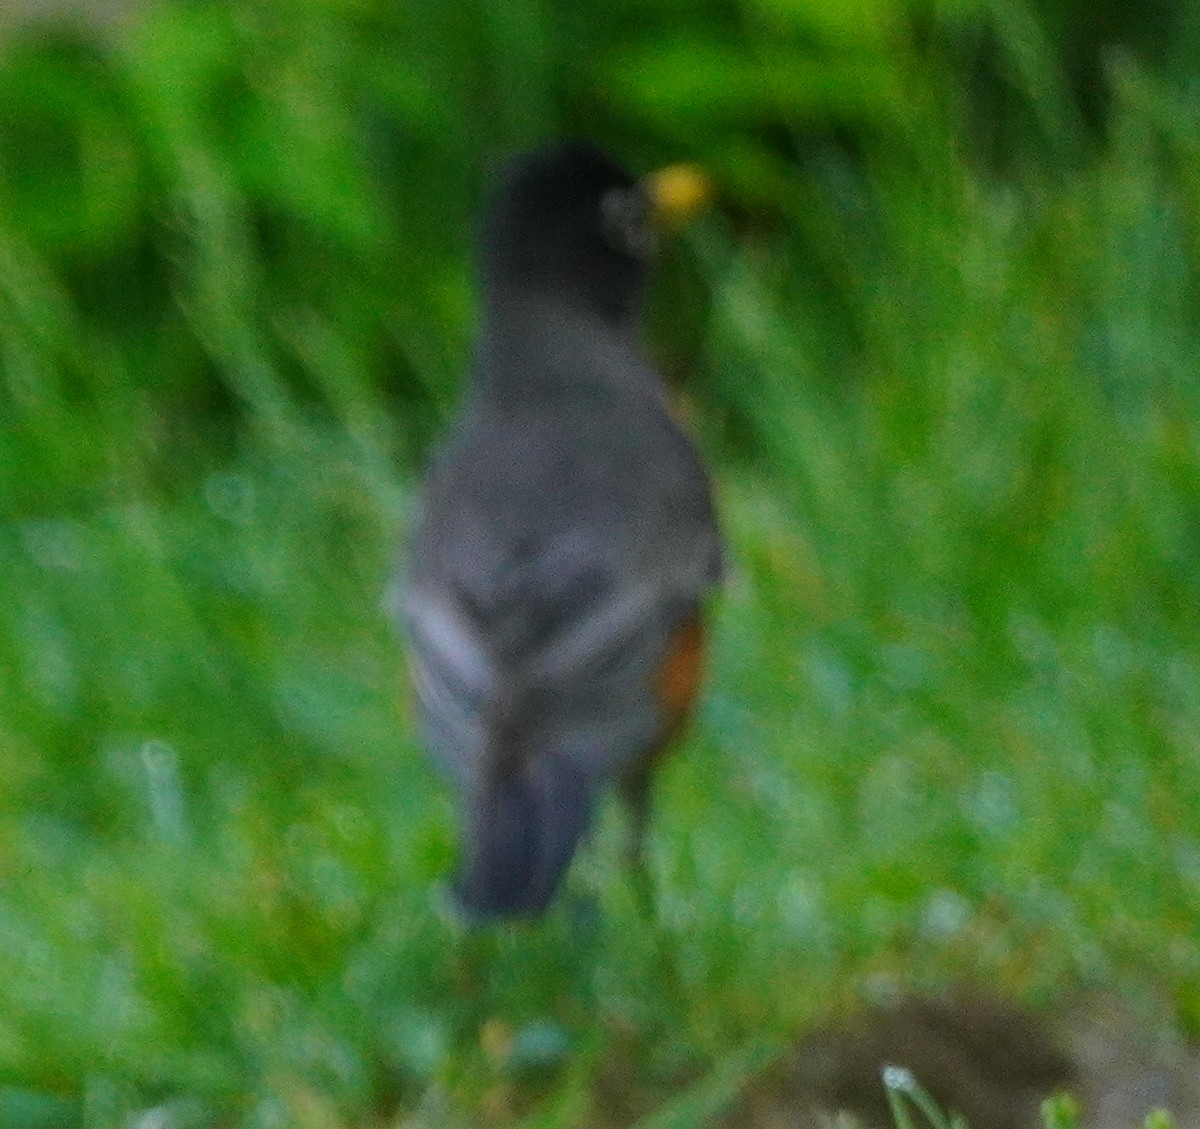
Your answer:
<point x="568" y="221"/>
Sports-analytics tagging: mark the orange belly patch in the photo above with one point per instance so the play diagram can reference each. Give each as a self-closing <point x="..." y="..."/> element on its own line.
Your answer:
<point x="677" y="682"/>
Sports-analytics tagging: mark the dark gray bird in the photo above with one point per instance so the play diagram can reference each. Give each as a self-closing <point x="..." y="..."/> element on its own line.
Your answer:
<point x="567" y="541"/>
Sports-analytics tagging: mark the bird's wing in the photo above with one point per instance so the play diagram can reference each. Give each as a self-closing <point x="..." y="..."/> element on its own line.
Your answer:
<point x="548" y="598"/>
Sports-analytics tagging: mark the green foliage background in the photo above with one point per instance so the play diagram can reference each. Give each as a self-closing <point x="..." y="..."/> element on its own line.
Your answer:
<point x="940" y="338"/>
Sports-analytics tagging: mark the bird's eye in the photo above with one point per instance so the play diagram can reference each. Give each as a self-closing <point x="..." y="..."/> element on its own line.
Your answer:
<point x="627" y="222"/>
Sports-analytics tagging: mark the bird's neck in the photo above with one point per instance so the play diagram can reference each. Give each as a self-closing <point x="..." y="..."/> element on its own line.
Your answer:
<point x="529" y="339"/>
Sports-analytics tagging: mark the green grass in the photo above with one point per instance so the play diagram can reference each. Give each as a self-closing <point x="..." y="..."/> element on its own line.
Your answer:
<point x="951" y="726"/>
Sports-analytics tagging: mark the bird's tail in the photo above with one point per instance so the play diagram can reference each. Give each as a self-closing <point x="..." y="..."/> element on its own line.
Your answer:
<point x="522" y="830"/>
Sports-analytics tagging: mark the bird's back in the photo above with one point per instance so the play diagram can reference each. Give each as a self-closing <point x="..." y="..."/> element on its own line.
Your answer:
<point x="561" y="529"/>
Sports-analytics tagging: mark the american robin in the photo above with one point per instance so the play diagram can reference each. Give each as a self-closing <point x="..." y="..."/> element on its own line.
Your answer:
<point x="567" y="538"/>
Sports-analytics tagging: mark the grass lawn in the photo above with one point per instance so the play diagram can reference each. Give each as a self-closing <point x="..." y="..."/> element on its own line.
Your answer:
<point x="951" y="733"/>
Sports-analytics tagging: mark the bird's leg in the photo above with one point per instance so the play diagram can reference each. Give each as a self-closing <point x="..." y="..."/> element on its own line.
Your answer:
<point x="473" y="960"/>
<point x="635" y="793"/>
